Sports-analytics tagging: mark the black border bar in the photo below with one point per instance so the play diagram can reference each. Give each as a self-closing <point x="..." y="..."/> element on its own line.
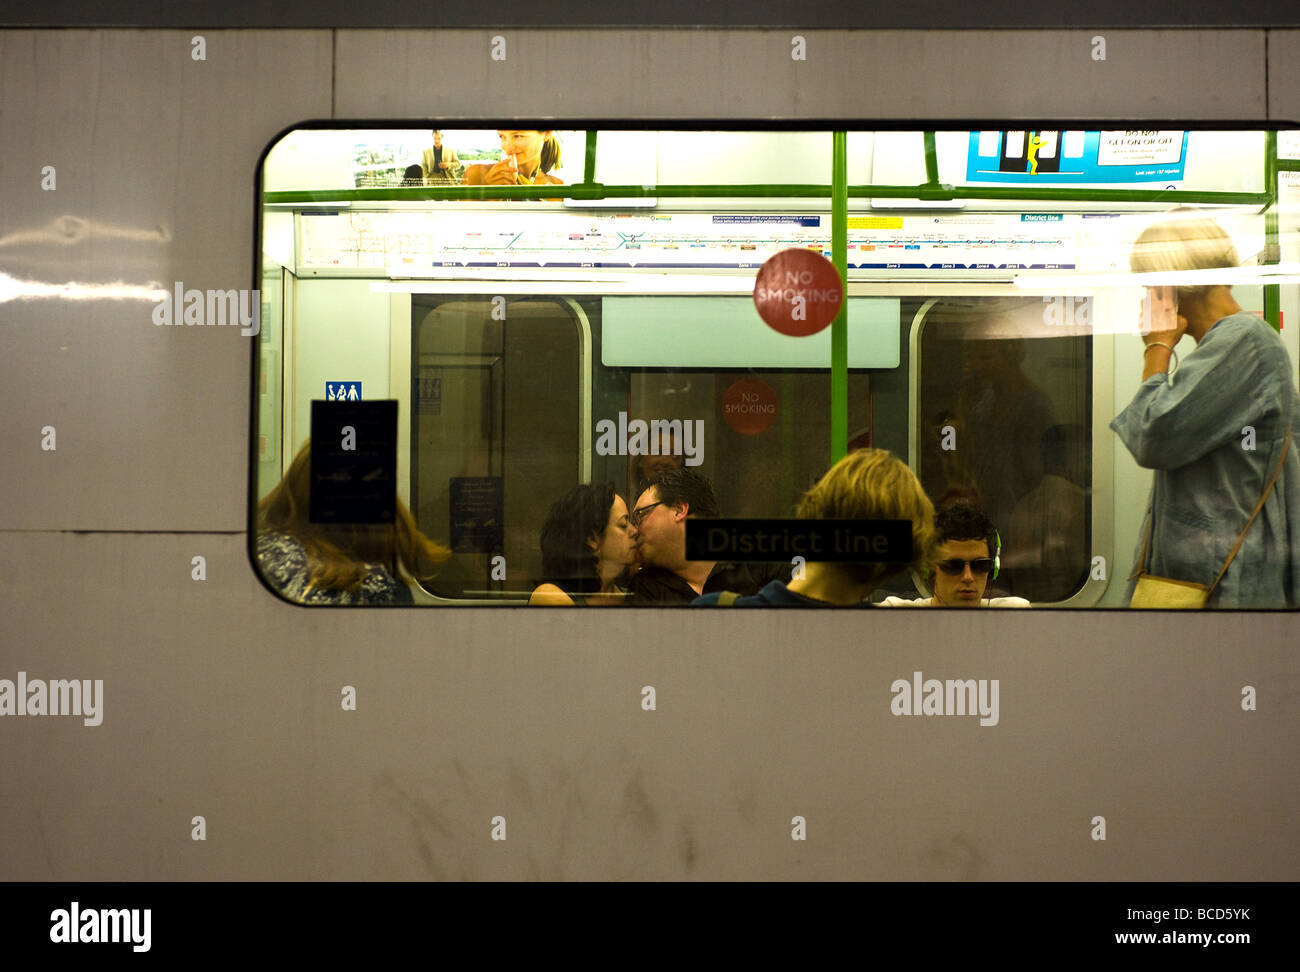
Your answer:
<point x="921" y="921"/>
<point x="717" y="14"/>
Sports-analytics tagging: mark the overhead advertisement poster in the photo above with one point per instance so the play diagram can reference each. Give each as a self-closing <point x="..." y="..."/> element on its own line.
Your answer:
<point x="1131" y="159"/>
<point x="1288" y="144"/>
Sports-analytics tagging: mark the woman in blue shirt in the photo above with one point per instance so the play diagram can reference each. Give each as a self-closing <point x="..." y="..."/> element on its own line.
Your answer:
<point x="1214" y="431"/>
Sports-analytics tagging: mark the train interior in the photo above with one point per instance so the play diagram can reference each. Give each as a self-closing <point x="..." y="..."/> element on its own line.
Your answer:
<point x="991" y="335"/>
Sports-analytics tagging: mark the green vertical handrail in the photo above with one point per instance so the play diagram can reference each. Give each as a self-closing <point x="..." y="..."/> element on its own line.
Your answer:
<point x="840" y="326"/>
<point x="589" y="165"/>
<point x="931" y="160"/>
<point x="1272" y="292"/>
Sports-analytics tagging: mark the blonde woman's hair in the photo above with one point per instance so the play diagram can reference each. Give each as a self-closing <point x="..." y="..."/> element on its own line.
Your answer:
<point x="1184" y="242"/>
<point x="874" y="484"/>
<point x="338" y="555"/>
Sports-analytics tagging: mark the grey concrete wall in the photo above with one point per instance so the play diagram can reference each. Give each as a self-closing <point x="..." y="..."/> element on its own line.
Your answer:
<point x="222" y="701"/>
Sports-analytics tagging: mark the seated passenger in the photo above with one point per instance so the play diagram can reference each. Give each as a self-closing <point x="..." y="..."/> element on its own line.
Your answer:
<point x="586" y="548"/>
<point x="529" y="158"/>
<point x="869" y="484"/>
<point x="348" y="563"/>
<point x="659" y="531"/>
<point x="962" y="562"/>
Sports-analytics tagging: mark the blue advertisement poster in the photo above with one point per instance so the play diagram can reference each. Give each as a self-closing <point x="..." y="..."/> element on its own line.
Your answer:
<point x="1049" y="158"/>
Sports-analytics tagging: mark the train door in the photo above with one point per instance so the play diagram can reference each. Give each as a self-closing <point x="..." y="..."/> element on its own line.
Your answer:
<point x="497" y="399"/>
<point x="1005" y="422"/>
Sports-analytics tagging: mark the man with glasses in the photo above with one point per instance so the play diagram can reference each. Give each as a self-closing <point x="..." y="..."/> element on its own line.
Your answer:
<point x="966" y="558"/>
<point x="658" y="524"/>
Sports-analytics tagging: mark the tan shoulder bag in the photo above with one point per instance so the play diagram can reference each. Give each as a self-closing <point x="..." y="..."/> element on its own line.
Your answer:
<point x="1167" y="593"/>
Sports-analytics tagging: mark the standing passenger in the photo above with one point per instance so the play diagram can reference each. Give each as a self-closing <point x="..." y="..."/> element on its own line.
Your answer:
<point x="1215" y="431"/>
<point x="1048" y="534"/>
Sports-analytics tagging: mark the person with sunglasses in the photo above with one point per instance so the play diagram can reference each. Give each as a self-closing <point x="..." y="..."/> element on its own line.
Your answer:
<point x="966" y="557"/>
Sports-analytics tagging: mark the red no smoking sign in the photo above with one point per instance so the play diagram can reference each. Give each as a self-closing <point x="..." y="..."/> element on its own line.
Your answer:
<point x="749" y="406"/>
<point x="798" y="292"/>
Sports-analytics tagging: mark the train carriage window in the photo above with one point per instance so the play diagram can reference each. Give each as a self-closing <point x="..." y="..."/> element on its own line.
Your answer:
<point x="564" y="317"/>
<point x="1006" y="412"/>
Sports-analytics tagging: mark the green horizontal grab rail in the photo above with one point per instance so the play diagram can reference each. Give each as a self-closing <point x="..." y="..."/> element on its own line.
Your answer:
<point x="579" y="191"/>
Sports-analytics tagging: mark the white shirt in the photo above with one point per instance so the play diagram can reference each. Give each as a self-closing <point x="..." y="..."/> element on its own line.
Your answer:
<point x="1007" y="602"/>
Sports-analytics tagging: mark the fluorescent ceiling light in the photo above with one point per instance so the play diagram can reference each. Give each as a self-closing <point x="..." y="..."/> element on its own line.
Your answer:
<point x="343" y="204"/>
<point x="1280" y="273"/>
<point x="646" y="283"/>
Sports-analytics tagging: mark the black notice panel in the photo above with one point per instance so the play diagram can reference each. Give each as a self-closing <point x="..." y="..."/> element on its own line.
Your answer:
<point x="353" y="462"/>
<point x="477" y="514"/>
<point x="846" y="541"/>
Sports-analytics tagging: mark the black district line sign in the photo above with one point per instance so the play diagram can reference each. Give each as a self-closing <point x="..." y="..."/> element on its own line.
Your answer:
<point x="798" y="292"/>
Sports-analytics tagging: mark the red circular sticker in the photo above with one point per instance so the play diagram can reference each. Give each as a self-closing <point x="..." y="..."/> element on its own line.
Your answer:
<point x="798" y="292"/>
<point x="749" y="406"/>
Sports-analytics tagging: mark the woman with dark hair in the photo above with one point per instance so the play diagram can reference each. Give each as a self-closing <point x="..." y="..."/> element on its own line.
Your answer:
<point x="527" y="160"/>
<point x="586" y="549"/>
<point x="346" y="563"/>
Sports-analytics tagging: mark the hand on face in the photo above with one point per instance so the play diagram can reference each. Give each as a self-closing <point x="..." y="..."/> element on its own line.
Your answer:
<point x="505" y="173"/>
<point x="1160" y="318"/>
<point x="521" y="152"/>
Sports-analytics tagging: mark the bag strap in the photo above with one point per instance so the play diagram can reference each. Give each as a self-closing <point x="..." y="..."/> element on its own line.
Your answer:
<point x="1141" y="565"/>
<point x="1258" y="506"/>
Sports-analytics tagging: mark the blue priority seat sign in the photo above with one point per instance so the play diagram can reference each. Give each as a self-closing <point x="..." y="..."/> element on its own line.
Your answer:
<point x="342" y="391"/>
